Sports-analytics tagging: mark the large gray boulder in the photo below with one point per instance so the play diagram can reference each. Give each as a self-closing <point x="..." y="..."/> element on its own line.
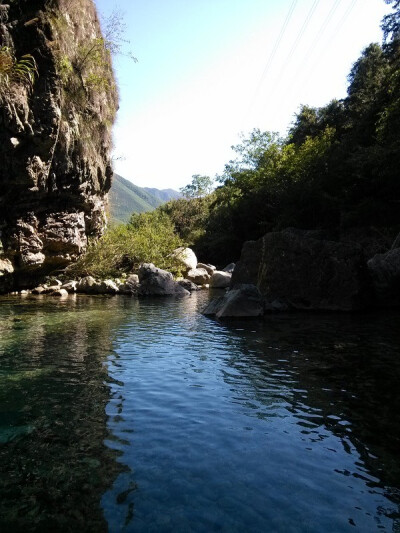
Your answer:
<point x="157" y="282"/>
<point x="188" y="285"/>
<point x="87" y="285"/>
<point x="220" y="279"/>
<point x="210" y="268"/>
<point x="385" y="274"/>
<point x="200" y="276"/>
<point x="242" y="301"/>
<point x="294" y="270"/>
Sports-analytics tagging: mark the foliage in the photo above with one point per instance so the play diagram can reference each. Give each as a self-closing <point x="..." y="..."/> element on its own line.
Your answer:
<point x="199" y="186"/>
<point x="23" y="70"/>
<point x="189" y="216"/>
<point x="147" y="238"/>
<point x="337" y="168"/>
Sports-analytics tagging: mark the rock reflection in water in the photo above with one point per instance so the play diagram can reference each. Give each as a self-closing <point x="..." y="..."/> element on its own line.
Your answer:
<point x="53" y="391"/>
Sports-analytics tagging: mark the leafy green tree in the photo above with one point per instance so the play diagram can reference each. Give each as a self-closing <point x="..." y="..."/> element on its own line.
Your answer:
<point x="199" y="186"/>
<point x="391" y="23"/>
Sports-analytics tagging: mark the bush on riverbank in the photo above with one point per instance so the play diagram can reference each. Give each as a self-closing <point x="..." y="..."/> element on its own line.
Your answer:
<point x="147" y="238"/>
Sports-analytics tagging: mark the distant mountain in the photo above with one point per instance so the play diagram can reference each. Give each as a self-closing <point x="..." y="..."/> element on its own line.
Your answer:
<point x="127" y="198"/>
<point x="163" y="195"/>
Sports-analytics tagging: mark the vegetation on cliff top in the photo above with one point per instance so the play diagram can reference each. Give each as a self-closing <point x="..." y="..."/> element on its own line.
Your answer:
<point x="337" y="168"/>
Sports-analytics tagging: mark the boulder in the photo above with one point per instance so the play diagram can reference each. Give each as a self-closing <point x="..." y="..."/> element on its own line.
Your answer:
<point x="220" y="280"/>
<point x="229" y="268"/>
<point x="59" y="292"/>
<point x="188" y="285"/>
<point x="242" y="301"/>
<point x="38" y="290"/>
<point x="385" y="274"/>
<point x="157" y="282"/>
<point x="200" y="276"/>
<point x="130" y="285"/>
<point x="185" y="257"/>
<point x="87" y="285"/>
<point x="294" y="270"/>
<point x="106" y="286"/>
<point x="70" y="286"/>
<point x="210" y="268"/>
<point x="6" y="267"/>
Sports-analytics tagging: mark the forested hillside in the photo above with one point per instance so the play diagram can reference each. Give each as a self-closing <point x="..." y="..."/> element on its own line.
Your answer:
<point x="127" y="198"/>
<point x="337" y="169"/>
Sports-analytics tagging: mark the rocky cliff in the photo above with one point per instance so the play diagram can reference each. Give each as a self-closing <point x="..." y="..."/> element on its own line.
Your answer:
<point x="55" y="136"/>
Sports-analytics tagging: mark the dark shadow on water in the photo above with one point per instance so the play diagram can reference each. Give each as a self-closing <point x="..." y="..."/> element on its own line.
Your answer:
<point x="337" y="373"/>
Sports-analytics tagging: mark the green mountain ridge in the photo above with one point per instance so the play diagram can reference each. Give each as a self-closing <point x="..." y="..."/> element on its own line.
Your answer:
<point x="126" y="198"/>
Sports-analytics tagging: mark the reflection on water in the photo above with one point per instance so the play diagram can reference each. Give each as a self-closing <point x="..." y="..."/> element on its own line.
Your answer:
<point x="161" y="420"/>
<point x="53" y="462"/>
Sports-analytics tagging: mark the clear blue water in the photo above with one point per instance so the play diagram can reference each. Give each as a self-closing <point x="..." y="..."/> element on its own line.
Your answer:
<point x="141" y="416"/>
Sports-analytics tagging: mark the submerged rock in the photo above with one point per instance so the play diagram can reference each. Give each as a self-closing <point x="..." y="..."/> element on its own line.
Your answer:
<point x="157" y="282"/>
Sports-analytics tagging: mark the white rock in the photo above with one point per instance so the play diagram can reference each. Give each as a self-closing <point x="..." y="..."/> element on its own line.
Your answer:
<point x="186" y="257"/>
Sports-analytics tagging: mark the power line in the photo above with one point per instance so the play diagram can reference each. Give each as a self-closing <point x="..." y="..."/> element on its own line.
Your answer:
<point x="278" y="41"/>
<point x="296" y="42"/>
<point x="313" y="46"/>
<point x="272" y="55"/>
<point x="333" y="34"/>
<point x="299" y="35"/>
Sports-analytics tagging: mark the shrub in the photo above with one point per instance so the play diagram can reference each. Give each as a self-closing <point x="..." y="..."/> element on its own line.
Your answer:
<point x="147" y="238"/>
<point x="21" y="71"/>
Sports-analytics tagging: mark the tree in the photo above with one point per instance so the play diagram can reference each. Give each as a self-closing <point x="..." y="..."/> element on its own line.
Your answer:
<point x="391" y="23"/>
<point x="200" y="186"/>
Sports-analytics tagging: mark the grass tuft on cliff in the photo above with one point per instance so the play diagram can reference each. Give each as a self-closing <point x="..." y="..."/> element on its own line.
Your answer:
<point x="147" y="238"/>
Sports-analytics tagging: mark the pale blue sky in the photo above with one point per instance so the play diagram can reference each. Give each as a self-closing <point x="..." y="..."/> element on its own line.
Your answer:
<point x="209" y="69"/>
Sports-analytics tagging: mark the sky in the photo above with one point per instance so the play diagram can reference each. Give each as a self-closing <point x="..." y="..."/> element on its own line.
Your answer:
<point x="210" y="70"/>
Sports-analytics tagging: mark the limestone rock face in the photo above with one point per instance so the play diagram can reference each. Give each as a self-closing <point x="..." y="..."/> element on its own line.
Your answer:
<point x="55" y="137"/>
<point x="294" y="270"/>
<point x="157" y="282"/>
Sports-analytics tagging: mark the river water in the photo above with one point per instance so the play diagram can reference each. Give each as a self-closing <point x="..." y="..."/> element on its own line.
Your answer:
<point x="118" y="414"/>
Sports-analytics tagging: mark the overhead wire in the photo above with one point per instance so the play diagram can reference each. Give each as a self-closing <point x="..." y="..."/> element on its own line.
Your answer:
<point x="300" y="71"/>
<point x="299" y="36"/>
<point x="292" y="49"/>
<point x="272" y="54"/>
<point x="332" y="35"/>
